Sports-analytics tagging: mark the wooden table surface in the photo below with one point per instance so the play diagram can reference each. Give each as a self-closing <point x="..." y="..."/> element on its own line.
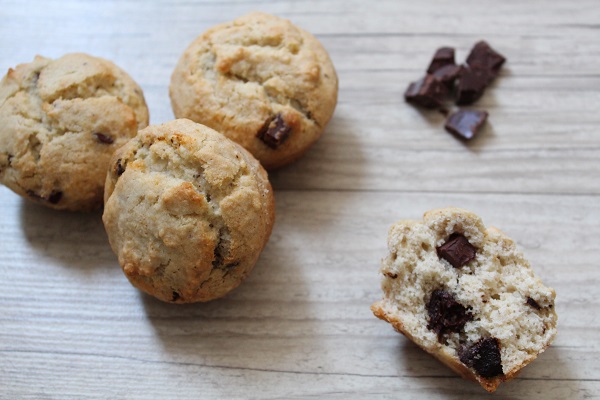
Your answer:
<point x="72" y="327"/>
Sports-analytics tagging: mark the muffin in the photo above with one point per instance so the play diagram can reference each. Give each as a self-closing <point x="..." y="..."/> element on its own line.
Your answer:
<point x="262" y="82"/>
<point x="466" y="295"/>
<point x="187" y="211"/>
<point x="60" y="122"/>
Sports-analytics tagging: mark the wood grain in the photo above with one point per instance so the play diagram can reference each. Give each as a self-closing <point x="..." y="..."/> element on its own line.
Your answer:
<point x="71" y="326"/>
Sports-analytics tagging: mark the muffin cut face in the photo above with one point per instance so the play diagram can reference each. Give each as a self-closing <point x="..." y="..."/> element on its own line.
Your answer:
<point x="187" y="211"/>
<point x="466" y="295"/>
<point x="60" y="122"/>
<point x="262" y="82"/>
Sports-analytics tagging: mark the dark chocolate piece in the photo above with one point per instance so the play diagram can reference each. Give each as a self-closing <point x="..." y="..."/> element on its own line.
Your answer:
<point x="427" y="92"/>
<point x="34" y="195"/>
<point x="533" y="303"/>
<point x="274" y="132"/>
<point x="483" y="56"/>
<point x="175" y="296"/>
<point x="442" y="57"/>
<point x="446" y="314"/>
<point x="447" y="74"/>
<point x="103" y="138"/>
<point x="472" y="82"/>
<point x="466" y="123"/>
<point x="483" y="356"/>
<point x="119" y="168"/>
<point x="457" y="250"/>
<point x="390" y="275"/>
<point x="53" y="198"/>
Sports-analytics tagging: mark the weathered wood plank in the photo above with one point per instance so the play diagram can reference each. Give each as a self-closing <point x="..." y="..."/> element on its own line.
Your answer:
<point x="303" y="316"/>
<point x="72" y="327"/>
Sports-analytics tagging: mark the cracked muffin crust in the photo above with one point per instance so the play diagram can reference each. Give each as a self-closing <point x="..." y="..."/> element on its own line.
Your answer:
<point x="60" y="122"/>
<point x="262" y="82"/>
<point x="466" y="295"/>
<point x="187" y="211"/>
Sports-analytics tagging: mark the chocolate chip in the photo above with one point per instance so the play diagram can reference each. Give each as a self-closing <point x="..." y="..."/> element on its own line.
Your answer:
<point x="103" y="138"/>
<point x="447" y="74"/>
<point x="391" y="275"/>
<point x="466" y="123"/>
<point x="218" y="252"/>
<point x="274" y="132"/>
<point x="34" y="195"/>
<point x="9" y="159"/>
<point x="427" y="92"/>
<point x="55" y="197"/>
<point x="457" y="250"/>
<point x="472" y="82"/>
<point x="483" y="56"/>
<point x="446" y="314"/>
<point x="175" y="296"/>
<point x="533" y="303"/>
<point x="483" y="356"/>
<point x="442" y="57"/>
<point x="119" y="168"/>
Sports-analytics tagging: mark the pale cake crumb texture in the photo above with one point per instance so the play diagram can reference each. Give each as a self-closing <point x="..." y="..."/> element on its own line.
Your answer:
<point x="496" y="285"/>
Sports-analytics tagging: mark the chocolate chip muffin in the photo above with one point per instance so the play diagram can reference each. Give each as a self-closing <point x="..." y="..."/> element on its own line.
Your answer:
<point x="466" y="295"/>
<point x="187" y="211"/>
<point x="60" y="122"/>
<point x="262" y="82"/>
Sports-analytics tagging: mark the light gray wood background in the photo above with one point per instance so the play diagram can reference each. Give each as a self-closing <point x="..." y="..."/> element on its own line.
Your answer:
<point x="72" y="327"/>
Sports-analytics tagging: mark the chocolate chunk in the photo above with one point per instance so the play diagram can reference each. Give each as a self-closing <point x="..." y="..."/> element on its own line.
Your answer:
<point x="472" y="82"/>
<point x="9" y="159"/>
<point x="483" y="356"/>
<point x="219" y="259"/>
<point x="483" y="56"/>
<point x="533" y="303"/>
<point x="103" y="138"/>
<point x="457" y="250"/>
<point x="447" y="74"/>
<point x="119" y="168"/>
<point x="446" y="314"/>
<point x="274" y="132"/>
<point x="390" y="275"/>
<point x="466" y="123"/>
<point x="175" y="296"/>
<point x="34" y="195"/>
<point x="427" y="92"/>
<point x="442" y="57"/>
<point x="55" y="197"/>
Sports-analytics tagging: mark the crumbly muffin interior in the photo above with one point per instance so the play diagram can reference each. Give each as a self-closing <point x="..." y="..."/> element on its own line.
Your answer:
<point x="501" y="296"/>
